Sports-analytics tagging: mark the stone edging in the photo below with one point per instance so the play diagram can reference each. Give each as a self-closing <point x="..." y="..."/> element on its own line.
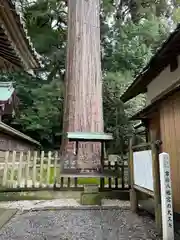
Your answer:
<point x="7" y="215"/>
<point x="75" y="208"/>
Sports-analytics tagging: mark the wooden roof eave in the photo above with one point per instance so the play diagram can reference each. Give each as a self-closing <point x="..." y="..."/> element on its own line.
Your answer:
<point x="158" y="62"/>
<point x="154" y="106"/>
<point x="140" y="83"/>
<point x="17" y="36"/>
<point x="144" y="113"/>
<point x="20" y="20"/>
<point x="11" y="131"/>
<point x="134" y="89"/>
<point x="14" y="56"/>
<point x="138" y="125"/>
<point x="6" y="65"/>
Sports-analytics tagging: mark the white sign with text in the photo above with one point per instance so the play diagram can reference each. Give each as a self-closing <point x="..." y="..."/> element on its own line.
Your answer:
<point x="142" y="165"/>
<point x="166" y="197"/>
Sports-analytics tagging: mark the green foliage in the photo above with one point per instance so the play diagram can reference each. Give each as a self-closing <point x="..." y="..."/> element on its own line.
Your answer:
<point x="46" y="23"/>
<point x="130" y="46"/>
<point x="131" y="31"/>
<point x="115" y="119"/>
<point x="176" y="15"/>
<point x="44" y="115"/>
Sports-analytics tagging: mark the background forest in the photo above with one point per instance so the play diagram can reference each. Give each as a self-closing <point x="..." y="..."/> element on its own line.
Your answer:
<point x="131" y="32"/>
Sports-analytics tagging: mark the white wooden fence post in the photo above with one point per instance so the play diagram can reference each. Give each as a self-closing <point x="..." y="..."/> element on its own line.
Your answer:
<point x="166" y="197"/>
<point x="5" y="175"/>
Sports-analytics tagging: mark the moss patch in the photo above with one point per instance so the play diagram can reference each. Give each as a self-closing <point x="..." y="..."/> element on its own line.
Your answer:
<point x="39" y="195"/>
<point x="16" y="196"/>
<point x="90" y="199"/>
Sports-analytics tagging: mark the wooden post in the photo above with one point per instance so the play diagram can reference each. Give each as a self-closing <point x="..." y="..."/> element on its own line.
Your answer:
<point x="122" y="175"/>
<point x="133" y="193"/>
<point x="166" y="197"/>
<point x="102" y="156"/>
<point x="13" y="168"/>
<point x="146" y="131"/>
<point x="34" y="169"/>
<point x="19" y="180"/>
<point x="27" y="168"/>
<point x="156" y="183"/>
<point x="48" y="180"/>
<point x="42" y="169"/>
<point x="55" y="168"/>
<point x="5" y="175"/>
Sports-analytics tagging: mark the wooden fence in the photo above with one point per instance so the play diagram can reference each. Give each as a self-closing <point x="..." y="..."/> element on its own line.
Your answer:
<point x="29" y="171"/>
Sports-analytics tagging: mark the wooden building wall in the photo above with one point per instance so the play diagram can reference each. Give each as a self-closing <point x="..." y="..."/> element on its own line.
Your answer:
<point x="154" y="125"/>
<point x="170" y="136"/>
<point x="10" y="143"/>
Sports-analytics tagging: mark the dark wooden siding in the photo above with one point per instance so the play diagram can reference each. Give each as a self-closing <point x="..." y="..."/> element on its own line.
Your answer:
<point x="170" y="135"/>
<point x="154" y="126"/>
<point x="10" y="143"/>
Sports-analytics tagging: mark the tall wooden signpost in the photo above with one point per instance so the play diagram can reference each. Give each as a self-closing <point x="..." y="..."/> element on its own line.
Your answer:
<point x="166" y="197"/>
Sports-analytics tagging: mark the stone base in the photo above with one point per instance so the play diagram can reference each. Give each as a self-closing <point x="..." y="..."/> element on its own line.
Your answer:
<point x="90" y="198"/>
<point x="91" y="188"/>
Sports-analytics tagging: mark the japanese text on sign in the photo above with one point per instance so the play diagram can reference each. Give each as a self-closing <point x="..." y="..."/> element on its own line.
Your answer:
<point x="166" y="196"/>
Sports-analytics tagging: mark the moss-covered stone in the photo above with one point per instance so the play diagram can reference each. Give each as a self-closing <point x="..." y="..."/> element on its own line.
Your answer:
<point x="116" y="194"/>
<point x="90" y="198"/>
<point x="91" y="188"/>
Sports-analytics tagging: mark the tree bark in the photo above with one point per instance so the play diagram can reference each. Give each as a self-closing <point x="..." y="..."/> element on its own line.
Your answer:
<point x="83" y="110"/>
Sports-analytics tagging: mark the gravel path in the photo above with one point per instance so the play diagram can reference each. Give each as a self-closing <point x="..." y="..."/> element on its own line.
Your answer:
<point x="57" y="203"/>
<point x="78" y="224"/>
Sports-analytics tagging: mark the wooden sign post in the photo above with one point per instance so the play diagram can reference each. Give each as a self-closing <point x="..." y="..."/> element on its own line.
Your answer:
<point x="133" y="193"/>
<point x="166" y="197"/>
<point x="156" y="186"/>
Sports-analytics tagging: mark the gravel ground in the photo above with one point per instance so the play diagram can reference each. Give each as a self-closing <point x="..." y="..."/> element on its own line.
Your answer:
<point x="89" y="224"/>
<point x="55" y="203"/>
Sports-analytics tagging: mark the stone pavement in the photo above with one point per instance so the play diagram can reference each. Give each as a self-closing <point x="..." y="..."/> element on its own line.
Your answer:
<point x="66" y="219"/>
<point x="78" y="224"/>
<point x="5" y="215"/>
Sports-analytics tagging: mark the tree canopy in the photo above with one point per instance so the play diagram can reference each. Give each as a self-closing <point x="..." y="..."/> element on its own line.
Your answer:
<point x="131" y="31"/>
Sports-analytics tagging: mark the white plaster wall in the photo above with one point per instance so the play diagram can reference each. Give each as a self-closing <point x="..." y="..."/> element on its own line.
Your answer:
<point x="164" y="80"/>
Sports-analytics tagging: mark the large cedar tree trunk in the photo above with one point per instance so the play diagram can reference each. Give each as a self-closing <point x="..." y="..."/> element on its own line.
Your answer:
<point x="83" y="91"/>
